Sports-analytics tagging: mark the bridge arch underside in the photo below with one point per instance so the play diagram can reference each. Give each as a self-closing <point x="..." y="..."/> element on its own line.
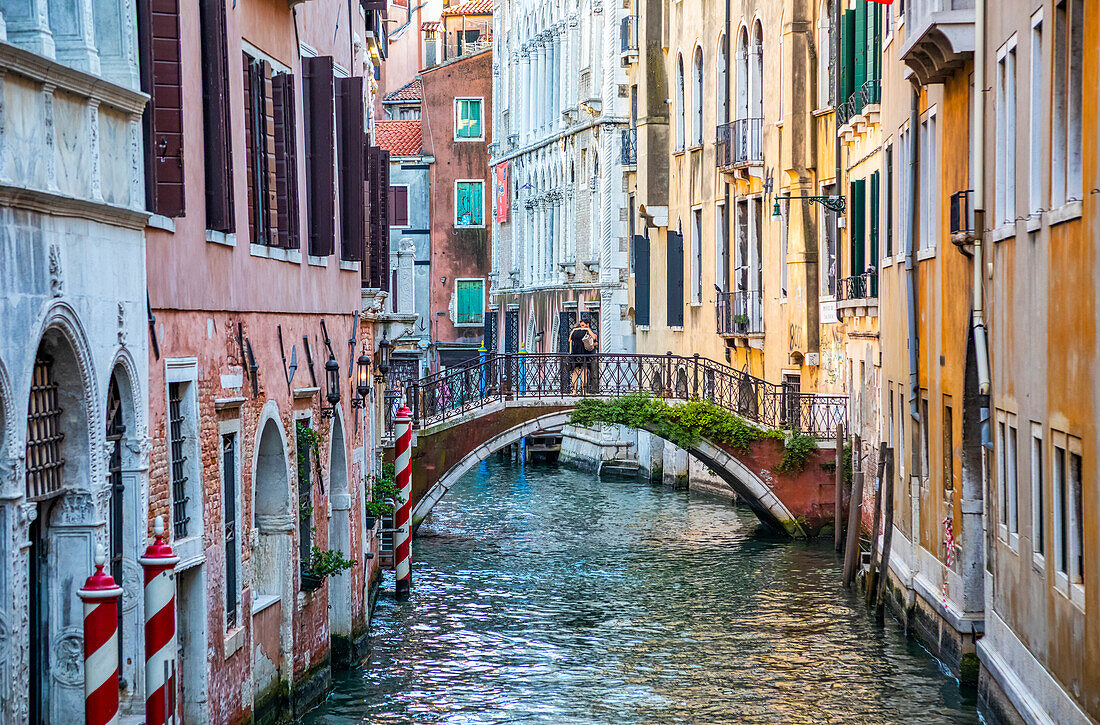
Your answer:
<point x="795" y="505"/>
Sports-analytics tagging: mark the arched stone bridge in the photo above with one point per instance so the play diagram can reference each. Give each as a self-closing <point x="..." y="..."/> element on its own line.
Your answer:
<point x="462" y="416"/>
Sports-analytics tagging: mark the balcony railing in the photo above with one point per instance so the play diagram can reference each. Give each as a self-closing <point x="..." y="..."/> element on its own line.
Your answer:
<point x="630" y="147"/>
<point x="867" y="94"/>
<point x="740" y="142"/>
<point x="740" y="313"/>
<point x="628" y="35"/>
<point x="859" y="287"/>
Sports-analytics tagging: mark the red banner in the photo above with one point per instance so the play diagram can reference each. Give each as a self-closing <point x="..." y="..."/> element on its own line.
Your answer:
<point x="502" y="192"/>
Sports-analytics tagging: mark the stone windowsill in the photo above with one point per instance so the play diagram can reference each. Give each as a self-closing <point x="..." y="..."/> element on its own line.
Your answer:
<point x="1005" y="231"/>
<point x="317" y="261"/>
<point x="260" y="602"/>
<point x="349" y="265"/>
<point x="228" y="239"/>
<point x="926" y="253"/>
<point x="159" y="221"/>
<point x="234" y="640"/>
<point x="1067" y="212"/>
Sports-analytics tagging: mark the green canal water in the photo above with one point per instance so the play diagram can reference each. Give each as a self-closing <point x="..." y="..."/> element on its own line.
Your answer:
<point x="544" y="595"/>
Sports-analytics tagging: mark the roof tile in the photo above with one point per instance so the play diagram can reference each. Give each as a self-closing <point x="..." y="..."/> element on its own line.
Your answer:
<point x="411" y="91"/>
<point x="470" y="7"/>
<point x="400" y="138"/>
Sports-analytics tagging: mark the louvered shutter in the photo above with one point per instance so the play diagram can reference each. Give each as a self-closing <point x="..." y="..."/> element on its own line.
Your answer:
<point x="872" y="213"/>
<point x="641" y="279"/>
<point x="250" y="129"/>
<point x="286" y="161"/>
<point x="675" y="279"/>
<point x="352" y="186"/>
<point x="217" y="139"/>
<point x="158" y="26"/>
<point x="847" y="55"/>
<point x="383" y="214"/>
<point x="320" y="151"/>
<point x="860" y="39"/>
<point x="374" y="189"/>
<point x="858" y="230"/>
<point x="271" y="207"/>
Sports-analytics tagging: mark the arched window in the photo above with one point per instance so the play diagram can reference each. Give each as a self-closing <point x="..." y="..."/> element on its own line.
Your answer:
<point x="679" y="102"/>
<point x="825" y="56"/>
<point x="743" y="75"/>
<point x="723" y="80"/>
<point x="697" y="98"/>
<point x="756" y="82"/>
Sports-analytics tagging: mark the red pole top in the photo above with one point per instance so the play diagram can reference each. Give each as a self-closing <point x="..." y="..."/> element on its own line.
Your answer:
<point x="159" y="553"/>
<point x="100" y="585"/>
<point x="403" y="413"/>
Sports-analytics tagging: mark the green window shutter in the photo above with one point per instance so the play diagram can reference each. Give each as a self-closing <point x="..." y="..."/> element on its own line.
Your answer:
<point x="470" y="298"/>
<point x="872" y="211"/>
<point x="847" y="55"/>
<point x="875" y="65"/>
<point x="860" y="39"/>
<point x="469" y="200"/>
<point x="857" y="232"/>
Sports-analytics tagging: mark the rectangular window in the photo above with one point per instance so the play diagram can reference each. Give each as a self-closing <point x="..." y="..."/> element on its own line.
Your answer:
<point x="1002" y="448"/>
<point x="722" y="246"/>
<point x="903" y="414"/>
<point x="929" y="182"/>
<point x="470" y="301"/>
<point x="320" y="130"/>
<point x="783" y="209"/>
<point x="888" y="202"/>
<point x="1038" y="495"/>
<point x="1005" y="186"/>
<point x="925" y="426"/>
<point x="697" y="257"/>
<point x="1011" y="482"/>
<point x="399" y="206"/>
<point x="229" y="506"/>
<point x="948" y="447"/>
<point x="178" y="460"/>
<point x="1061" y="511"/>
<point x="159" y="41"/>
<point x="1037" y="94"/>
<point x="468" y="118"/>
<point x="905" y="199"/>
<point x="217" y="144"/>
<point x="828" y="246"/>
<point x="1067" y="59"/>
<point x="469" y="202"/>
<point x="1077" y="522"/>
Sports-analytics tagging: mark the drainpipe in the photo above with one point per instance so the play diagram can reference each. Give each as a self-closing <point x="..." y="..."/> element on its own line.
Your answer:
<point x="910" y="254"/>
<point x="981" y="346"/>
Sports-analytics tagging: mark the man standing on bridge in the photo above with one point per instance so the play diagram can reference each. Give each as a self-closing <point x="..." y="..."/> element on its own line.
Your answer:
<point x="582" y="346"/>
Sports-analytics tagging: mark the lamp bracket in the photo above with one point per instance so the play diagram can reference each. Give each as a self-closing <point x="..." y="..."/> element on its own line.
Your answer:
<point x="832" y="203"/>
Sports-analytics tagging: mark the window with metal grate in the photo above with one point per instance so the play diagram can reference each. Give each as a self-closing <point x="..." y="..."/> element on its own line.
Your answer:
<point x="180" y="519"/>
<point x="44" y="436"/>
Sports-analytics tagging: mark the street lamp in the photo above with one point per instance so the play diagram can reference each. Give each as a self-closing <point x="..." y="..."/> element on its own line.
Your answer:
<point x="832" y="203"/>
<point x="332" y="382"/>
<point x="362" y="381"/>
<point x="383" y="366"/>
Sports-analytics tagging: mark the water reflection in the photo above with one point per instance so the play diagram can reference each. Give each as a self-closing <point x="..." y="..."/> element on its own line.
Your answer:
<point x="543" y="595"/>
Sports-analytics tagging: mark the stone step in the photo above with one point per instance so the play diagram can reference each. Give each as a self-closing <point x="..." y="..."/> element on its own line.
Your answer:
<point x="620" y="469"/>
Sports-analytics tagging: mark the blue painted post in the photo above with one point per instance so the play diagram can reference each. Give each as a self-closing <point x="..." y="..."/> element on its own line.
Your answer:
<point x="483" y="382"/>
<point x="522" y="370"/>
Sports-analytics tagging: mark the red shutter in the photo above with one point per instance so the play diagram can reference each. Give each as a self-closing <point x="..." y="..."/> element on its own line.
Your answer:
<point x="401" y="206"/>
<point x="320" y="151"/>
<point x="286" y="161"/>
<point x="352" y="223"/>
<point x="158" y="25"/>
<point x="215" y="98"/>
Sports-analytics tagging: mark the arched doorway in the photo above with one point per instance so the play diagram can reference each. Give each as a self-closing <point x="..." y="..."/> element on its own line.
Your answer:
<point x="339" y="539"/>
<point x="272" y="561"/>
<point x="62" y="532"/>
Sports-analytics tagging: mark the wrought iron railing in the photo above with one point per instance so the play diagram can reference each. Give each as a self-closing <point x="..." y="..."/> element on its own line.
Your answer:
<point x="962" y="218"/>
<point x="628" y="35"/>
<point x="740" y="313"/>
<point x="867" y="94"/>
<point x="859" y="287"/>
<point x="630" y="147"/>
<point x="550" y="376"/>
<point x="392" y="400"/>
<point x="740" y="142"/>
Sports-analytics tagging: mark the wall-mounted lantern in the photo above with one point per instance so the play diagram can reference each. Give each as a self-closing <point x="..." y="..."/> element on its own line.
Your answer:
<point x="832" y="203"/>
<point x="383" y="365"/>
<point x="362" y="381"/>
<point x="332" y="383"/>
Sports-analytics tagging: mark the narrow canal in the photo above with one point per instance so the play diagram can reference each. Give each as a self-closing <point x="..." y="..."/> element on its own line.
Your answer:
<point x="543" y="595"/>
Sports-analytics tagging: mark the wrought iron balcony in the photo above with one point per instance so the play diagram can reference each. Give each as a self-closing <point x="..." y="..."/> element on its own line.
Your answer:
<point x="740" y="313"/>
<point x="628" y="35"/>
<point x="962" y="217"/>
<point x="859" y="287"/>
<point x="740" y="142"/>
<point x="867" y="94"/>
<point x="630" y="147"/>
<point x="940" y="38"/>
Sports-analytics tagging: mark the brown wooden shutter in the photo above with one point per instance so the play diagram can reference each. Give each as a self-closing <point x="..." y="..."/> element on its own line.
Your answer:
<point x="250" y="142"/>
<point x="320" y="151"/>
<point x="377" y="272"/>
<point x="271" y="207"/>
<point x="215" y="98"/>
<point x="383" y="214"/>
<point x="159" y="30"/>
<point x="353" y="229"/>
<point x="260" y="142"/>
<point x="286" y="160"/>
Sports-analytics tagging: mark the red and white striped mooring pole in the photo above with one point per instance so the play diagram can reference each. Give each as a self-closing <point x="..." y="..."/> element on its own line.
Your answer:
<point x="160" y="629"/>
<point x="100" y="595"/>
<point x="402" y="535"/>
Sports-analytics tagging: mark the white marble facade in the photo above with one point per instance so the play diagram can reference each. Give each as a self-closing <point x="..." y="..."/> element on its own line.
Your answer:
<point x="560" y="105"/>
<point x="73" y="286"/>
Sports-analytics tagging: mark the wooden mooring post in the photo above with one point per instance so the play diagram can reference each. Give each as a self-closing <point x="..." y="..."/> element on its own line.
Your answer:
<point x="872" y="572"/>
<point x="851" y="549"/>
<point x="838" y="510"/>
<point x="887" y="530"/>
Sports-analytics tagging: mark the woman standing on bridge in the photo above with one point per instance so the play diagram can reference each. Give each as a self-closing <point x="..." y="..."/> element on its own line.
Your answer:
<point x="582" y="344"/>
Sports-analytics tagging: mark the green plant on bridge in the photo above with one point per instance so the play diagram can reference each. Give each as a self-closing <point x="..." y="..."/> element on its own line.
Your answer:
<point x="684" y="425"/>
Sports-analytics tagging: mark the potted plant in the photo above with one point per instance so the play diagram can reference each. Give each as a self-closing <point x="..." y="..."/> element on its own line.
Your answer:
<point x="741" y="322"/>
<point x="323" y="563"/>
<point x="385" y="495"/>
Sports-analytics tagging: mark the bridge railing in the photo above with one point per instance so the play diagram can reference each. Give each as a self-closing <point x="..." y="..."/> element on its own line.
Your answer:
<point x="540" y="375"/>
